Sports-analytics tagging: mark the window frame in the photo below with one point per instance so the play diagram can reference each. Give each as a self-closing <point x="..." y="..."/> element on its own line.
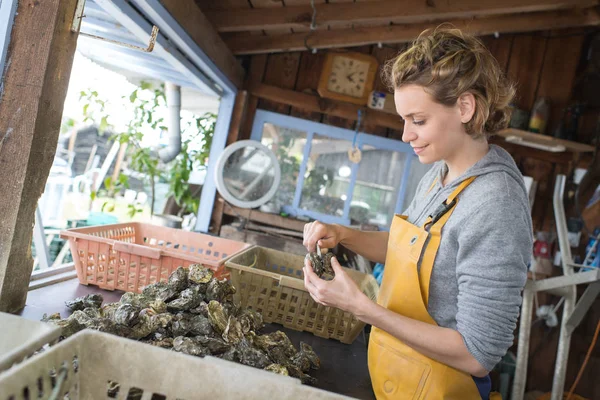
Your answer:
<point x="311" y="129"/>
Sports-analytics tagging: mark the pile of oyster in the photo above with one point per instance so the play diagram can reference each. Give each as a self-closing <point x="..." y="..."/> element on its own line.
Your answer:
<point x="193" y="313"/>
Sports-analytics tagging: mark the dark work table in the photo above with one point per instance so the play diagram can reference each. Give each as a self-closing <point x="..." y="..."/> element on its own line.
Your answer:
<point x="343" y="366"/>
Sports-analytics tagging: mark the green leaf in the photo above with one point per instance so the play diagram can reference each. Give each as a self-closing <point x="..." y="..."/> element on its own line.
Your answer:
<point x="108" y="182"/>
<point x="123" y="179"/>
<point x="85" y="109"/>
<point x="93" y="195"/>
<point x="133" y="96"/>
<point x="103" y="124"/>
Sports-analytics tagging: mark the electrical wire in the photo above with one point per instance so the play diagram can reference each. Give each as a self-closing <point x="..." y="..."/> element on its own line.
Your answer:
<point x="585" y="361"/>
<point x="313" y="27"/>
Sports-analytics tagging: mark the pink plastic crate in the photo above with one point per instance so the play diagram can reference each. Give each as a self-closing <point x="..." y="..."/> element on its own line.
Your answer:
<point x="131" y="255"/>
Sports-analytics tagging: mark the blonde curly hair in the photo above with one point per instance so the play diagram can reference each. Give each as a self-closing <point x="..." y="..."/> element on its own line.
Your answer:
<point x="448" y="63"/>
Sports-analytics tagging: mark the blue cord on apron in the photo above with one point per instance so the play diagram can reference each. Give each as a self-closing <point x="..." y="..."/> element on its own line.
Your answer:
<point x="484" y="385"/>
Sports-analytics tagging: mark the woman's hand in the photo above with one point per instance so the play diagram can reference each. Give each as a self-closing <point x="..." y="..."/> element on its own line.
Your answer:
<point x="323" y="235"/>
<point x="341" y="292"/>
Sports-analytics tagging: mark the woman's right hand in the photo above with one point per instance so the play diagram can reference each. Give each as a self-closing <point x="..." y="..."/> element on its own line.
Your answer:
<point x="320" y="234"/>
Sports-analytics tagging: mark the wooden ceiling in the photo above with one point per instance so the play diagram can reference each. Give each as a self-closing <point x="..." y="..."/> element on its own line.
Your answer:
<point x="265" y="26"/>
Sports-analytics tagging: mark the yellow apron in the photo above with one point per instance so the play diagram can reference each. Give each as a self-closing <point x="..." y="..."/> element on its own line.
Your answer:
<point x="398" y="371"/>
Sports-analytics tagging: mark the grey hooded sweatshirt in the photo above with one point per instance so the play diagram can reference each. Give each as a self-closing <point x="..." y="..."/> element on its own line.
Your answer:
<point x="481" y="265"/>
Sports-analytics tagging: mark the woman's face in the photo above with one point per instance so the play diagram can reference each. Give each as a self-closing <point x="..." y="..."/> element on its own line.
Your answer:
<point x="435" y="131"/>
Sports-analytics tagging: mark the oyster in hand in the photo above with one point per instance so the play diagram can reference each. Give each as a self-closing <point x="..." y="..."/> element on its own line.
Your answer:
<point x="321" y="265"/>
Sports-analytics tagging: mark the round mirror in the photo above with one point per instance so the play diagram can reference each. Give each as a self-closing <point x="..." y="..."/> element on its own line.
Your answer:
<point x="247" y="174"/>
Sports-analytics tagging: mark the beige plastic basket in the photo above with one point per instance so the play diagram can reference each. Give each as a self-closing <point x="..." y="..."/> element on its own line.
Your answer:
<point x="272" y="283"/>
<point x="84" y="365"/>
<point x="20" y="338"/>
<point x="132" y="255"/>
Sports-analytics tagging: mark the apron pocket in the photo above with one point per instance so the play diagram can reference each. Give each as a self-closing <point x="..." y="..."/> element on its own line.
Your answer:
<point x="395" y="374"/>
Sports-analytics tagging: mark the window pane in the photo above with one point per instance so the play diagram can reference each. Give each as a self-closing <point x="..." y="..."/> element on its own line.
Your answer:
<point x="288" y="145"/>
<point x="417" y="171"/>
<point x="377" y="186"/>
<point x="327" y="176"/>
<point x="248" y="174"/>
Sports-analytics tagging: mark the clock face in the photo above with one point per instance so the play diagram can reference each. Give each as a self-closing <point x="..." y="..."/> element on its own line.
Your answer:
<point x="348" y="76"/>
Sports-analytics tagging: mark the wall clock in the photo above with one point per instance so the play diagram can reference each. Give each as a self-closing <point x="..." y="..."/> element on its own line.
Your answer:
<point x="348" y="77"/>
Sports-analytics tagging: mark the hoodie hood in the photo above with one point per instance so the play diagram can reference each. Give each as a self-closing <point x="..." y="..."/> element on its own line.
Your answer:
<point x="497" y="166"/>
<point x="496" y="160"/>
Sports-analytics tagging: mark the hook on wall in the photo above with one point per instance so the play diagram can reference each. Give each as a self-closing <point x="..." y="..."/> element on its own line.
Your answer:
<point x="76" y="28"/>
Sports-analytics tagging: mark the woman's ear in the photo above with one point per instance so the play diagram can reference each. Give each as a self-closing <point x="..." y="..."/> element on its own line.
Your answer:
<point x="466" y="105"/>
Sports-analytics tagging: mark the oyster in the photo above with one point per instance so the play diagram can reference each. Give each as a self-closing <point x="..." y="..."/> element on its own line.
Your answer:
<point x="306" y="353"/>
<point x="69" y="326"/>
<point x="215" y="346"/>
<point x="126" y="314"/>
<point x="250" y="355"/>
<point x="250" y="320"/>
<point x="226" y="325"/>
<point x="297" y="373"/>
<point x="93" y="312"/>
<point x="187" y="300"/>
<point x="276" y="345"/>
<point x="278" y="369"/>
<point x="137" y="300"/>
<point x="220" y="291"/>
<point x="200" y="275"/>
<point x="191" y="325"/>
<point x="321" y="265"/>
<point x="165" y="343"/>
<point x="160" y="291"/>
<point x="202" y="309"/>
<point x="179" y="279"/>
<point x="189" y="346"/>
<point x="81" y="303"/>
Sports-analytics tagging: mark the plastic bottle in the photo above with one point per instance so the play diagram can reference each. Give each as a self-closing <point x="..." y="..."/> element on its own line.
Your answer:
<point x="539" y="116"/>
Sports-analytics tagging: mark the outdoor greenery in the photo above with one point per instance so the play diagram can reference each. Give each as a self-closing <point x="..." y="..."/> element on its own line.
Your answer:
<point x="146" y="103"/>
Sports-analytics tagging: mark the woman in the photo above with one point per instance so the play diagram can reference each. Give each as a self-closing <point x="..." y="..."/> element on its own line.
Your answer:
<point x="456" y="261"/>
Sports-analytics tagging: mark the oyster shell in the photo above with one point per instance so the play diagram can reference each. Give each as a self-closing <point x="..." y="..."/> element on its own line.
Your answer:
<point x="321" y="265"/>
<point x="81" y="303"/>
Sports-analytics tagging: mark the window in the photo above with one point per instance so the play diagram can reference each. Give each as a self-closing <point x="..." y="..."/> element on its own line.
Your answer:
<point x="319" y="181"/>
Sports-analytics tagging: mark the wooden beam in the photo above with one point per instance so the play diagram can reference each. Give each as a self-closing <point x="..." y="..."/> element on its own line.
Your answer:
<point x="35" y="87"/>
<point x="200" y="29"/>
<point x="336" y="108"/>
<point x="264" y="218"/>
<point x="256" y="74"/>
<point x="406" y="33"/>
<point x="380" y="12"/>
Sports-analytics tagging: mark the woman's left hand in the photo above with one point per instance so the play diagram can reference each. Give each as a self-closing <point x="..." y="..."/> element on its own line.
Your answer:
<point x="341" y="292"/>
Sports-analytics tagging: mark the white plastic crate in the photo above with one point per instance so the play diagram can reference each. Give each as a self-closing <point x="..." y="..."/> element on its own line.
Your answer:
<point x="84" y="365"/>
<point x="20" y="338"/>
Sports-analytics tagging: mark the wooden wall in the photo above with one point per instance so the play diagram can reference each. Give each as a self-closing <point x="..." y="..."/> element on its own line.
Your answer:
<point x="542" y="64"/>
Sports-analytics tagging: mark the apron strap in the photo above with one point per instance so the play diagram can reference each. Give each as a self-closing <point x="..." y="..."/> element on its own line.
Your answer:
<point x="447" y="205"/>
<point x="434" y="225"/>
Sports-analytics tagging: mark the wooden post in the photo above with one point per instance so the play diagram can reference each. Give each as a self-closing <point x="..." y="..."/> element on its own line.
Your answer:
<point x="35" y="85"/>
<point x="237" y="117"/>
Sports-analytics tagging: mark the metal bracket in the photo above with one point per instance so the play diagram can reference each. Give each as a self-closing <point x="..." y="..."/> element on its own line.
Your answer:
<point x="76" y="28"/>
<point x="583" y="305"/>
<point x="76" y="25"/>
